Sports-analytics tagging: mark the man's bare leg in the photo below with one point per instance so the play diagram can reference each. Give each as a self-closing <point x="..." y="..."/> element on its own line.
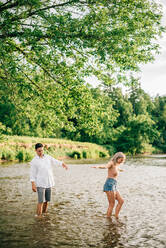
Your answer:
<point x="45" y="207"/>
<point x="39" y="209"/>
<point x="119" y="205"/>
<point x="111" y="201"/>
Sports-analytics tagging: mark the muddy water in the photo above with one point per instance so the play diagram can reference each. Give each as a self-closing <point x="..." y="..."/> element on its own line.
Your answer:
<point x="76" y="215"/>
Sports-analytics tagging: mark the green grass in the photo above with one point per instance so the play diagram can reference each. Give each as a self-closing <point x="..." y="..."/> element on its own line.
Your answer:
<point x="22" y="148"/>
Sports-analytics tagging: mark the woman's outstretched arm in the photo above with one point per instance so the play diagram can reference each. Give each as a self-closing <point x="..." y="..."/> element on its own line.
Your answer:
<point x="99" y="166"/>
<point x="105" y="166"/>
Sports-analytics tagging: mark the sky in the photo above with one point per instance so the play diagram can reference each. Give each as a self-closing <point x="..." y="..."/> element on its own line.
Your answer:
<point x="153" y="75"/>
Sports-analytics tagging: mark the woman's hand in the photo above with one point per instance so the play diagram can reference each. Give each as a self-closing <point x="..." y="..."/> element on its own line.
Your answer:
<point x="99" y="166"/>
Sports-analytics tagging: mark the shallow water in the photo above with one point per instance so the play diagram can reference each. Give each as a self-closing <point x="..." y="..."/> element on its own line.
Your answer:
<point x="76" y="215"/>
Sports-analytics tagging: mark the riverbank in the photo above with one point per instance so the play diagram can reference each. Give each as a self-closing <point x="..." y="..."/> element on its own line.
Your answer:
<point x="21" y="148"/>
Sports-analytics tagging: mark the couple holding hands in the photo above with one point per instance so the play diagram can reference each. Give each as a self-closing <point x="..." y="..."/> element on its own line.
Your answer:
<point x="42" y="179"/>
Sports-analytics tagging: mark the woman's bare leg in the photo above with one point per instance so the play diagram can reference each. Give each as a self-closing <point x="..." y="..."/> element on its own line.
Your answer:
<point x="119" y="205"/>
<point x="111" y="201"/>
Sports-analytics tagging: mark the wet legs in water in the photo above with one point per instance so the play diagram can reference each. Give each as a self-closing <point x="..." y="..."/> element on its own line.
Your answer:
<point x="45" y="207"/>
<point x="42" y="208"/>
<point x="119" y="205"/>
<point x="112" y="196"/>
<point x="111" y="201"/>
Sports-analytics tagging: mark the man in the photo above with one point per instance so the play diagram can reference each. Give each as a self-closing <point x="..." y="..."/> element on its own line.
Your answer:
<point x="41" y="177"/>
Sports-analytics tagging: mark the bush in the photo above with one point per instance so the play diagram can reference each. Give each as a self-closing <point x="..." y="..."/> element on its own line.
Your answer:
<point x="157" y="151"/>
<point x="75" y="155"/>
<point x="51" y="149"/>
<point x="29" y="156"/>
<point x="8" y="154"/>
<point x="86" y="154"/>
<point x="21" y="155"/>
<point x="24" y="155"/>
<point x="102" y="154"/>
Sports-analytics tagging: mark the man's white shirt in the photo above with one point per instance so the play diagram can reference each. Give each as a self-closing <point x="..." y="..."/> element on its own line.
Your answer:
<point x="41" y="171"/>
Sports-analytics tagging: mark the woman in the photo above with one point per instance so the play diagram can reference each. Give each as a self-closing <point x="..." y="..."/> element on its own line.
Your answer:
<point x="110" y="186"/>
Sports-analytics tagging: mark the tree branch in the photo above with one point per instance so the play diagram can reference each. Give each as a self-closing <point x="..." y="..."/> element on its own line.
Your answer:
<point x="50" y="7"/>
<point x="4" y="7"/>
<point x="11" y="35"/>
<point x="27" y="14"/>
<point x="36" y="85"/>
<point x="42" y="67"/>
<point x="5" y="3"/>
<point x="46" y="36"/>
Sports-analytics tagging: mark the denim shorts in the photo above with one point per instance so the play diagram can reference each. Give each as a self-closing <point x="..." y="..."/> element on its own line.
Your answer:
<point x="44" y="194"/>
<point x="110" y="185"/>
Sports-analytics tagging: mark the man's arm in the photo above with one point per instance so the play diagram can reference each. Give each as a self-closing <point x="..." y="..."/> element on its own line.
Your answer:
<point x="34" y="187"/>
<point x="59" y="163"/>
<point x="33" y="176"/>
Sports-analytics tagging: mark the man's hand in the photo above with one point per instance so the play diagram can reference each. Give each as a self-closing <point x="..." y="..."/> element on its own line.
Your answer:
<point x="34" y="187"/>
<point x="65" y="166"/>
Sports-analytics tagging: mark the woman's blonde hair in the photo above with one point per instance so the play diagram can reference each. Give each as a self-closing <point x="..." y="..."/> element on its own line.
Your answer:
<point x="116" y="156"/>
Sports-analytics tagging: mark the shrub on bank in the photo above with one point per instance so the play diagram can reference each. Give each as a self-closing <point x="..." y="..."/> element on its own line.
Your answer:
<point x="88" y="154"/>
<point x="25" y="155"/>
<point x="8" y="154"/>
<point x="75" y="154"/>
<point x="102" y="154"/>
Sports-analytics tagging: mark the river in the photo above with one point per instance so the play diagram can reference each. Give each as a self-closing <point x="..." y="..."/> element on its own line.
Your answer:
<point x="76" y="215"/>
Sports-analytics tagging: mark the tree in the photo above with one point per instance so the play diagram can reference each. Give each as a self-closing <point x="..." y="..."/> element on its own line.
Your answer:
<point x="159" y="116"/>
<point x="48" y="48"/>
<point x="93" y="117"/>
<point x="139" y="131"/>
<point x="64" y="41"/>
<point x="140" y="100"/>
<point x="122" y="104"/>
<point x="135" y="127"/>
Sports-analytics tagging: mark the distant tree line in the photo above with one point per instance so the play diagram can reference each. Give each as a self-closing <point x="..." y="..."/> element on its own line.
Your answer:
<point x="127" y="122"/>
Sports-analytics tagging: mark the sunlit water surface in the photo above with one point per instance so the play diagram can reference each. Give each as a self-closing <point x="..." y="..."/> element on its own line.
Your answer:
<point x="76" y="215"/>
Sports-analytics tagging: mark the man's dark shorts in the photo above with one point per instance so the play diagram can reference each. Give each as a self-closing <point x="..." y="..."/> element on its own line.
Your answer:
<point x="44" y="194"/>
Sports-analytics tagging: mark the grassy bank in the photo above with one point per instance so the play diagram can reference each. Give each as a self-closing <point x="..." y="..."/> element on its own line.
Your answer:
<point x="20" y="148"/>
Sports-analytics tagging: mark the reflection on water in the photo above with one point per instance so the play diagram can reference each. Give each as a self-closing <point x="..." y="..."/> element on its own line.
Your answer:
<point x="76" y="215"/>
